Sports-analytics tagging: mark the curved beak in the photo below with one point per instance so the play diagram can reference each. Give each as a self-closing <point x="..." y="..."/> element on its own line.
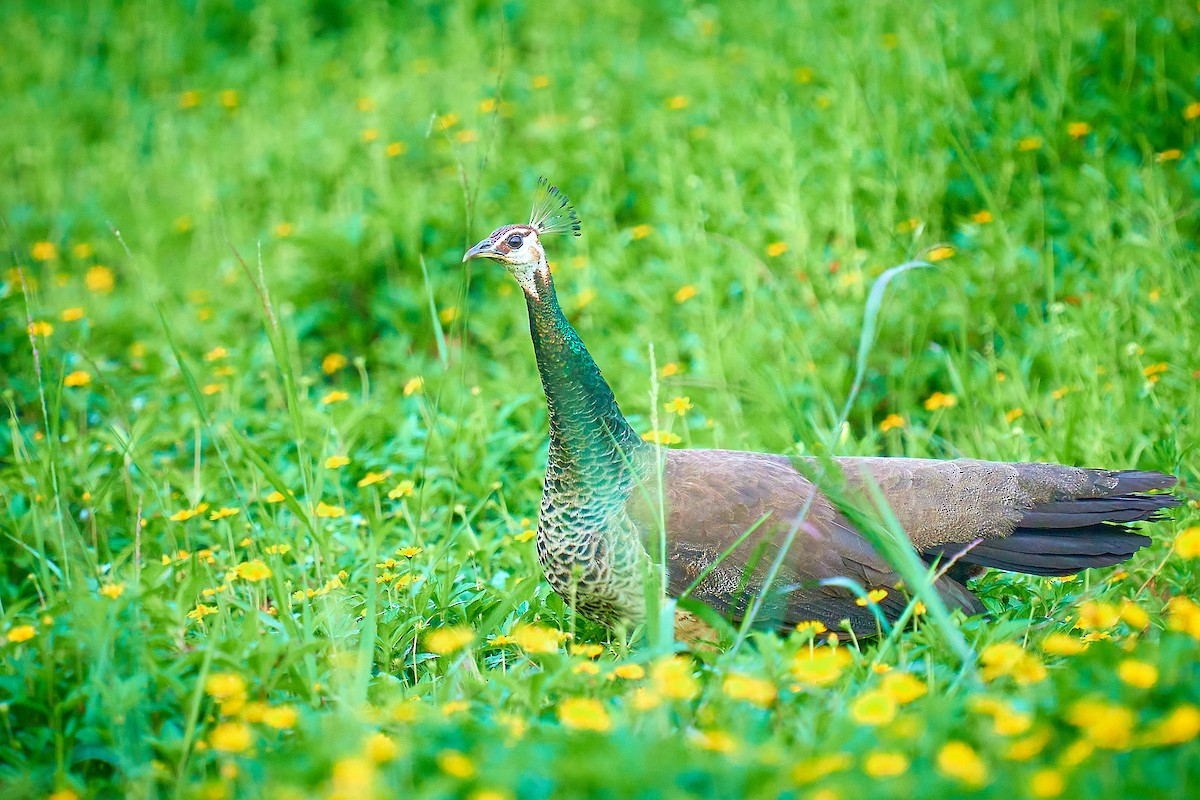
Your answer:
<point x="481" y="250"/>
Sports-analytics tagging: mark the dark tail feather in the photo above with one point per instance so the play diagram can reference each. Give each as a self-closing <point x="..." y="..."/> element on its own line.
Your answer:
<point x="1065" y="536"/>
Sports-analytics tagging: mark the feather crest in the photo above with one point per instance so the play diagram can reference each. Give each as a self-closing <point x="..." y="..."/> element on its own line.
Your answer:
<point x="552" y="211"/>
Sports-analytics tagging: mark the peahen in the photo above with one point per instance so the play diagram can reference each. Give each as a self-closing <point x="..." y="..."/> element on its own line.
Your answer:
<point x="600" y="512"/>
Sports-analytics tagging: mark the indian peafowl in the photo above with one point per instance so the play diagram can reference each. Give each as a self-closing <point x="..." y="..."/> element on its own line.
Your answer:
<point x="600" y="510"/>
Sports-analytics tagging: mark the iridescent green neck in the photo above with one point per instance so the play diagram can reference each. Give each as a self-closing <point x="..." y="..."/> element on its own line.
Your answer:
<point x="590" y="441"/>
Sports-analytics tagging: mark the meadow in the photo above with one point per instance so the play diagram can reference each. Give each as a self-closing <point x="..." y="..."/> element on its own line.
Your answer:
<point x="271" y="455"/>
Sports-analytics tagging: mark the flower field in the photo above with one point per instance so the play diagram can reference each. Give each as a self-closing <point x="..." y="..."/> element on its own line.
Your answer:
<point x="271" y="455"/>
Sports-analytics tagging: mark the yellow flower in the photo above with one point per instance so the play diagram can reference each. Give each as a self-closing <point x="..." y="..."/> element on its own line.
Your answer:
<point x="681" y="405"/>
<point x="677" y="102"/>
<point x="584" y="714"/>
<point x="335" y="396"/>
<point x="873" y="708"/>
<point x="814" y="769"/>
<point x="1191" y="111"/>
<point x="21" y="633"/>
<point x="640" y="232"/>
<point x="401" y="489"/>
<point x="1010" y="659"/>
<point x="408" y="552"/>
<point x="1134" y="615"/>
<point x="1060" y="644"/>
<point x="189" y="99"/>
<point x="586" y="668"/>
<point x="280" y="717"/>
<point x="891" y="421"/>
<point x="332" y="363"/>
<point x="756" y="691"/>
<point x="1028" y="747"/>
<point x="253" y="571"/>
<point x="1046" y="783"/>
<point x="668" y="370"/>
<point x="223" y="685"/>
<point x="396" y="149"/>
<point x="352" y="778"/>
<point x="467" y="136"/>
<point x="775" y="249"/>
<point x="230" y="737"/>
<point x="803" y="75"/>
<point x="380" y="747"/>
<point x="326" y="510"/>
<point x="539" y="82"/>
<point x="981" y="217"/>
<point x="714" y="741"/>
<point x="939" y="400"/>
<point x="112" y="590"/>
<point x="336" y="462"/>
<point x="222" y="513"/>
<point x="1137" y="674"/>
<point x="1183" y="615"/>
<point x="99" y="279"/>
<point x="1179" y="726"/>
<point x="1029" y="143"/>
<point x="275" y="497"/>
<point x="672" y="677"/>
<point x="374" y="477"/>
<point x="883" y="764"/>
<point x="959" y="761"/>
<point x="644" y="699"/>
<point x="77" y="378"/>
<point x="903" y="687"/>
<point x="587" y="650"/>
<point x="455" y="764"/>
<point x="446" y="640"/>
<point x="630" y="672"/>
<point x="369" y="134"/>
<point x="65" y="794"/>
<point x="1187" y="543"/>
<point x="1096" y="615"/>
<point x="414" y="386"/>
<point x="43" y="251"/>
<point x="819" y="666"/>
<point x="813" y="625"/>
<point x="661" y="437"/>
<point x="525" y="535"/>
<point x="1102" y="723"/>
<point x="1077" y="130"/>
<point x="215" y="354"/>
<point x="229" y="99"/>
<point x="940" y="253"/>
<point x="201" y="611"/>
<point x="40" y="328"/>
<point x="685" y="293"/>
<point x="536" y="638"/>
<point x="873" y="596"/>
<point x="72" y="314"/>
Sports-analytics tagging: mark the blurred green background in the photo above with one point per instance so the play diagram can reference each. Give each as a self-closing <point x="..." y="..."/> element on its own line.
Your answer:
<point x="296" y="183"/>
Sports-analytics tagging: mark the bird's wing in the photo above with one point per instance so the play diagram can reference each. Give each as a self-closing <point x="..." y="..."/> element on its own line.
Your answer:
<point x="713" y="497"/>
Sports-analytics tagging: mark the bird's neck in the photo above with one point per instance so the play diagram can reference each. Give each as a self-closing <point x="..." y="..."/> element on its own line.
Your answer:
<point x="591" y="443"/>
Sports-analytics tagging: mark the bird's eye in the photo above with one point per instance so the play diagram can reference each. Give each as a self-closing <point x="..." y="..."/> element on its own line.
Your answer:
<point x="514" y="241"/>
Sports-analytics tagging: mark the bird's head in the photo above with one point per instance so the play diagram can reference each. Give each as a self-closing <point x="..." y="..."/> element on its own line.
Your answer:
<point x="519" y="247"/>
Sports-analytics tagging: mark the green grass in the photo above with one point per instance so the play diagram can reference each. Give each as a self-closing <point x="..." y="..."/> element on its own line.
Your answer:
<point x="273" y="223"/>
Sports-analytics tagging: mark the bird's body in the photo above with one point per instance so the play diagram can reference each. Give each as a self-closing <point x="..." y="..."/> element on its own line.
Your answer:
<point x="725" y="515"/>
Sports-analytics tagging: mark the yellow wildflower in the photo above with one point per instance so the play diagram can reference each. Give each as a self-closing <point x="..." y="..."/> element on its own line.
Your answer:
<point x="1179" y="726"/>
<point x="1010" y="659"/>
<point x="630" y="672"/>
<point x="77" y="378"/>
<point x="1060" y="644"/>
<point x="1183" y="615"/>
<point x="408" y="552"/>
<point x="940" y="253"/>
<point x="201" y="611"/>
<point x="685" y="293"/>
<point x="455" y="764"/>
<point x="776" y="249"/>
<point x="958" y="760"/>
<point x="229" y="99"/>
<point x="40" y="328"/>
<point x="715" y="741"/>
<point x="352" y="778"/>
<point x="587" y="650"/>
<point x="336" y="462"/>
<point x="1077" y="130"/>
<point x="756" y="691"/>
<point x="640" y="232"/>
<point x="401" y="489"/>
<point x="1029" y="143"/>
<point x="253" y="571"/>
<point x="536" y="638"/>
<point x="1102" y="723"/>
<point x="584" y="714"/>
<point x="112" y="590"/>
<point x="813" y="625"/>
<point x="43" y="251"/>
<point x="230" y="737"/>
<point x="21" y="633"/>
<point x="280" y="717"/>
<point x="1028" y="747"/>
<point x="890" y="422"/>
<point x="1046" y="783"/>
<point x="1096" y="615"/>
<point x="446" y="640"/>
<point x="369" y="134"/>
<point x="981" y="217"/>
<point x="380" y="747"/>
<point x="72" y="314"/>
<point x="814" y="769"/>
<point x="669" y="370"/>
<point x="525" y="535"/>
<point x="275" y="497"/>
<point x="1137" y="674"/>
<point x="873" y="708"/>
<point x="222" y="685"/>
<point x="326" y="510"/>
<point x="99" y="279"/>
<point x="873" y="596"/>
<point x="940" y="400"/>
<point x="222" y="513"/>
<point x="672" y="677"/>
<point x="1187" y="543"/>
<point x="681" y="405"/>
<point x="539" y="82"/>
<point x="374" y="477"/>
<point x="336" y="396"/>
<point x="677" y="102"/>
<point x="414" y="386"/>
<point x="819" y="666"/>
<point x="661" y="437"/>
<point x="884" y="764"/>
<point x="903" y="687"/>
<point x="1191" y="111"/>
<point x="332" y="363"/>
